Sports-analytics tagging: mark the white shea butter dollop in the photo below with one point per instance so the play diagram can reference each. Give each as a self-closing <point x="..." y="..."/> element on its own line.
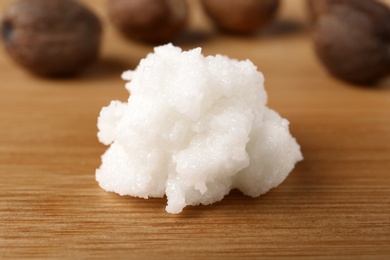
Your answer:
<point x="193" y="128"/>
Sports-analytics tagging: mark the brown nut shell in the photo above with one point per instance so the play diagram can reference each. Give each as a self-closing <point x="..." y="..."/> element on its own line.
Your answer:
<point x="352" y="39"/>
<point x="316" y="7"/>
<point x="51" y="37"/>
<point x="154" y="21"/>
<point x="241" y="16"/>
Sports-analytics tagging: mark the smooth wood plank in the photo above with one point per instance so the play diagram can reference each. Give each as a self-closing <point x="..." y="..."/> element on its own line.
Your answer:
<point x="335" y="204"/>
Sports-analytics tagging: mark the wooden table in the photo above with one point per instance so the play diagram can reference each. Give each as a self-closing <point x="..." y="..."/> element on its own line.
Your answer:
<point x="335" y="204"/>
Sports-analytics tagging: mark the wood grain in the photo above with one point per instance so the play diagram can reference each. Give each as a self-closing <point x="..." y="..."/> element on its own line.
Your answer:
<point x="335" y="204"/>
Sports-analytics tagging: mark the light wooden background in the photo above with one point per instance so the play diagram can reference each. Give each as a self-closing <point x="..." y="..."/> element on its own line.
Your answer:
<point x="335" y="204"/>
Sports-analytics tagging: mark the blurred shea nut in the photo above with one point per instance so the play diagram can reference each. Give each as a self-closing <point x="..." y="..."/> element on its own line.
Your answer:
<point x="51" y="37"/>
<point x="352" y="38"/>
<point x="316" y="7"/>
<point x="153" y="21"/>
<point x="241" y="16"/>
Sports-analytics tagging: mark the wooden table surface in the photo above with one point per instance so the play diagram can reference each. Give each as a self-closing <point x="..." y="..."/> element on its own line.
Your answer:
<point x="335" y="204"/>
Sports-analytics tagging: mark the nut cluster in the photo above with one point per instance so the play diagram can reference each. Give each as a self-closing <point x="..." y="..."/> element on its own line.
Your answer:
<point x="159" y="21"/>
<point x="62" y="37"/>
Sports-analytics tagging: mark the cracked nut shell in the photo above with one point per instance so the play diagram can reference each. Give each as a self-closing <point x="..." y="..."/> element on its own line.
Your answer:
<point x="51" y="37"/>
